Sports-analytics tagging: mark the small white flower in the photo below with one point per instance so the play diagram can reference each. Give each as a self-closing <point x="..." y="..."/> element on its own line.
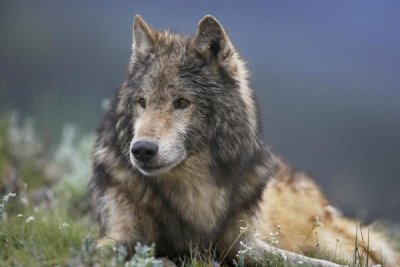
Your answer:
<point x="30" y="218"/>
<point x="274" y="237"/>
<point x="7" y="197"/>
<point x="20" y="215"/>
<point x="317" y="222"/>
<point x="243" y="229"/>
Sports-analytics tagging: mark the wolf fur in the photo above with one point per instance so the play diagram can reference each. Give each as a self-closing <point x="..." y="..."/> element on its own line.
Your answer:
<point x="211" y="174"/>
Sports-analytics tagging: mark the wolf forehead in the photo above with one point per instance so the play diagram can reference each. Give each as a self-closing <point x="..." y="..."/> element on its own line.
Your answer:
<point x="168" y="57"/>
<point x="165" y="59"/>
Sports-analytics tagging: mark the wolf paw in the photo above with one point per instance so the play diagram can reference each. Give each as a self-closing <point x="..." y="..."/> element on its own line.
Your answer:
<point x="106" y="246"/>
<point x="105" y="242"/>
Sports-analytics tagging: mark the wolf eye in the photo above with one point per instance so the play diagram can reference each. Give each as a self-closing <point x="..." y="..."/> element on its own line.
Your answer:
<point x="181" y="103"/>
<point x="142" y="102"/>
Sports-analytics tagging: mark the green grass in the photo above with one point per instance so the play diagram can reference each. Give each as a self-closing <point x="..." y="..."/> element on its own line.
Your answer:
<point x="47" y="240"/>
<point x="55" y="238"/>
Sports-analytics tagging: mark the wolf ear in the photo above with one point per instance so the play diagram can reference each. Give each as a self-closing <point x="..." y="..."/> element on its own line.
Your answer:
<point x="212" y="41"/>
<point x="143" y="35"/>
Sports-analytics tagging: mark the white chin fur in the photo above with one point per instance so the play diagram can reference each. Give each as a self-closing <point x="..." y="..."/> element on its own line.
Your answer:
<point x="155" y="172"/>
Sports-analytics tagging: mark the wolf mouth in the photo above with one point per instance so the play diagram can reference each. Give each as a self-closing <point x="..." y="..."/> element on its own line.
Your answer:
<point x="154" y="169"/>
<point x="151" y="169"/>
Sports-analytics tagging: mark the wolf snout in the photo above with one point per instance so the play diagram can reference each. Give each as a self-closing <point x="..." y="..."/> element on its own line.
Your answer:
<point x="144" y="150"/>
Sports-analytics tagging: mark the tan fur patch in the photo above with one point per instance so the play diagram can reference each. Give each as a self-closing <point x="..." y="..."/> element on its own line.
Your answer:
<point x="200" y="201"/>
<point x="293" y="201"/>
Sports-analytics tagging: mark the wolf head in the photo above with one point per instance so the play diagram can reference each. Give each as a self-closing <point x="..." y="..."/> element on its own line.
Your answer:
<point x="185" y="95"/>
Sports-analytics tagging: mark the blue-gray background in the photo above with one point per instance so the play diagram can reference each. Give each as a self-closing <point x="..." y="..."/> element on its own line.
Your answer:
<point x="326" y="74"/>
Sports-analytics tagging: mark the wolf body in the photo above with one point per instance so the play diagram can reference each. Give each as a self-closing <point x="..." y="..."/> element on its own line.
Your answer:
<point x="179" y="161"/>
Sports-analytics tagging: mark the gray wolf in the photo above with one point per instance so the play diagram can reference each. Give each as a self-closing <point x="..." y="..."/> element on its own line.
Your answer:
<point x="179" y="160"/>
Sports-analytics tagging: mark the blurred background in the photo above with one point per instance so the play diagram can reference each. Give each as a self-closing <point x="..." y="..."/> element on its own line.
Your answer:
<point x="326" y="75"/>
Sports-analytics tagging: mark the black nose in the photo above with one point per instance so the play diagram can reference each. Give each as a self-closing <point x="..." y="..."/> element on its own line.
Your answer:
<point x="144" y="150"/>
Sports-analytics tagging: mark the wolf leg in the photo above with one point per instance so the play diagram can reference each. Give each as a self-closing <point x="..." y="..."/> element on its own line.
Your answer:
<point x="117" y="219"/>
